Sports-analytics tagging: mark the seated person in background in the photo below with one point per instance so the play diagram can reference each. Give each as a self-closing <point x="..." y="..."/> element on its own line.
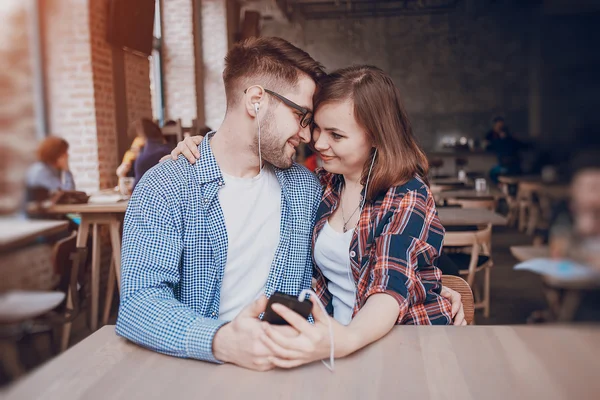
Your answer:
<point x="126" y="167"/>
<point x="155" y="148"/>
<point x="585" y="207"/>
<point x="51" y="171"/>
<point x="506" y="148"/>
<point x="202" y="131"/>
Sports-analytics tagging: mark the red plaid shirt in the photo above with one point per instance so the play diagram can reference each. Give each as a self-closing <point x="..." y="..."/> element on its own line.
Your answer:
<point x="394" y="250"/>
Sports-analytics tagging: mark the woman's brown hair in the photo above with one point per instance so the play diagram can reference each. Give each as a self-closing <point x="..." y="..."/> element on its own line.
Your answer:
<point x="51" y="149"/>
<point x="379" y="110"/>
<point x="147" y="129"/>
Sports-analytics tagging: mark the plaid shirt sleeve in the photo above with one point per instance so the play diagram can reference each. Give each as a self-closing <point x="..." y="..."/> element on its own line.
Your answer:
<point x="149" y="314"/>
<point x="404" y="259"/>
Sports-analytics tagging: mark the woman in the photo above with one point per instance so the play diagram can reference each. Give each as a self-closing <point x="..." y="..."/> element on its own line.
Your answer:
<point x="155" y="146"/>
<point x="377" y="235"/>
<point x="51" y="173"/>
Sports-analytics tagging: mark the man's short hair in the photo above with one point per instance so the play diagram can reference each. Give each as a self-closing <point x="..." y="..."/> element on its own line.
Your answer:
<point x="267" y="61"/>
<point x="51" y="149"/>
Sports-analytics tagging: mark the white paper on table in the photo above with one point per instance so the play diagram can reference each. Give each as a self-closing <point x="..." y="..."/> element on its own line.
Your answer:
<point x="561" y="269"/>
<point x="106" y="198"/>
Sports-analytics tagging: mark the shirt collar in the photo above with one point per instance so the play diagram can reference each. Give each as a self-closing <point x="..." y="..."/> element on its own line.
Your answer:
<point x="207" y="168"/>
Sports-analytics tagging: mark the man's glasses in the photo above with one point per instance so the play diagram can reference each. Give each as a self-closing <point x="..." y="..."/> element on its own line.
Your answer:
<point x="307" y="116"/>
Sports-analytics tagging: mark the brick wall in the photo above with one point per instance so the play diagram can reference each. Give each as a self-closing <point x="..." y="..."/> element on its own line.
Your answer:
<point x="214" y="49"/>
<point x="79" y="76"/>
<point x="455" y="71"/>
<point x="137" y="87"/>
<point x="17" y="129"/>
<point x="179" y="61"/>
<point x="70" y="85"/>
<point x="104" y="101"/>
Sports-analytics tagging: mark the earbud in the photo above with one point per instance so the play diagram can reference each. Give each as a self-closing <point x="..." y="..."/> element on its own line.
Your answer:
<point x="256" y="107"/>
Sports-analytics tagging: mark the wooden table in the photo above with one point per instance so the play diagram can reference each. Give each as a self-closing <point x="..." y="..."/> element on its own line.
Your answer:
<point x="563" y="295"/>
<point x="92" y="216"/>
<point x="412" y="362"/>
<point x="525" y="253"/>
<point x="469" y="216"/>
<point x="16" y="232"/>
<point x="470" y="194"/>
<point x="451" y="181"/>
<point x="515" y="179"/>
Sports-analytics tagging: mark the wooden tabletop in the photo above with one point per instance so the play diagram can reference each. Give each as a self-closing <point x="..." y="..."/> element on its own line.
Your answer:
<point x="96" y="208"/>
<point x="412" y="362"/>
<point x="514" y="179"/>
<point x="526" y="253"/>
<point x="450" y="181"/>
<point x="469" y="216"/>
<point x="19" y="231"/>
<point x="469" y="194"/>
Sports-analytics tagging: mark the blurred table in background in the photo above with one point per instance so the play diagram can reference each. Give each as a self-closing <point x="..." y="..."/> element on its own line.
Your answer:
<point x="24" y="263"/>
<point x="472" y="362"/>
<point x="93" y="215"/>
<point x="470" y="194"/>
<point x="15" y="232"/>
<point x="564" y="291"/>
<point x="469" y="216"/>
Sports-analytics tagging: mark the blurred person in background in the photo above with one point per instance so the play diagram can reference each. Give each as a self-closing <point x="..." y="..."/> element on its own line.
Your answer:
<point x="585" y="207"/>
<point x="507" y="150"/>
<point x="51" y="171"/>
<point x="154" y="149"/>
<point x="126" y="167"/>
<point x="197" y="132"/>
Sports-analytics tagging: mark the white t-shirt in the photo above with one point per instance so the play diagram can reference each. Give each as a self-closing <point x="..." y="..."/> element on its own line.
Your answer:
<point x="332" y="256"/>
<point x="252" y="211"/>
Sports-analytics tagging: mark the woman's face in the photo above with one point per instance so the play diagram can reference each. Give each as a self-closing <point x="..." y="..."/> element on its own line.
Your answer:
<point x="341" y="142"/>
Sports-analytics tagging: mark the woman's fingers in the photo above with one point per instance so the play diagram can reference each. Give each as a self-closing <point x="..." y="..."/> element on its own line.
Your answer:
<point x="281" y="363"/>
<point x="279" y="351"/>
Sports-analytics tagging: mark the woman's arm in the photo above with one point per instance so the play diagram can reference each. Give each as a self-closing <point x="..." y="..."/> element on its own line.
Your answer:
<point x="372" y="322"/>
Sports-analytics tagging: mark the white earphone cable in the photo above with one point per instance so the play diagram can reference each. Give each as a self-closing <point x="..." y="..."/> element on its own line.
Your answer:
<point x="260" y="163"/>
<point x="302" y="297"/>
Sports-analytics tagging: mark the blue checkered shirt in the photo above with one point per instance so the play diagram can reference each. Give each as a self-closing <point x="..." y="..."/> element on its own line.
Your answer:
<point x="175" y="250"/>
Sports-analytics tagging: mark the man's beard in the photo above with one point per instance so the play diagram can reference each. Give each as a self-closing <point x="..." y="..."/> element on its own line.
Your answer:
<point x="271" y="149"/>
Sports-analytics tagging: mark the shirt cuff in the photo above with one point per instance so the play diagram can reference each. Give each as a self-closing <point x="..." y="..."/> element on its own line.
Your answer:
<point x="199" y="339"/>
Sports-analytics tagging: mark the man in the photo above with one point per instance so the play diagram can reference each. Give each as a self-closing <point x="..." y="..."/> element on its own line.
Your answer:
<point x="506" y="148"/>
<point x="202" y="241"/>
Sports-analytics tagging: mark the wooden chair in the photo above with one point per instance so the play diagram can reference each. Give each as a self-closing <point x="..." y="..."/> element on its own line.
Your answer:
<point x="459" y="285"/>
<point x="69" y="261"/>
<point x="173" y="131"/>
<point x="529" y="211"/>
<point x="486" y="203"/>
<point x="477" y="258"/>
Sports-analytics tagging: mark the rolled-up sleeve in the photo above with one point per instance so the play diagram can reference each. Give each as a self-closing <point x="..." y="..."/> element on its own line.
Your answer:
<point x="150" y="314"/>
<point x="404" y="262"/>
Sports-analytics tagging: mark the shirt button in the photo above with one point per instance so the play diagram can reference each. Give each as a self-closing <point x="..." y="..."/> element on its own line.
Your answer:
<point x="206" y="200"/>
<point x="214" y="314"/>
<point x="352" y="253"/>
<point x="220" y="183"/>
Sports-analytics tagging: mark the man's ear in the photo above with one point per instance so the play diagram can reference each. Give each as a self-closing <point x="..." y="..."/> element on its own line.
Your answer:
<point x="252" y="99"/>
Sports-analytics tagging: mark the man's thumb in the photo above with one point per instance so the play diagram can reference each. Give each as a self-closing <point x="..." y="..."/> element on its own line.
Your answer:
<point x="255" y="308"/>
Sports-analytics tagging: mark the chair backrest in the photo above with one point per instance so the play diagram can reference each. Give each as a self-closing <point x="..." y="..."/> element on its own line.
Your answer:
<point x="68" y="261"/>
<point x="173" y="130"/>
<point x="480" y="243"/>
<point x="461" y="286"/>
<point x="486" y="203"/>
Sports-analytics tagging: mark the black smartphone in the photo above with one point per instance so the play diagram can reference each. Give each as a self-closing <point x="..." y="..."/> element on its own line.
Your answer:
<point x="304" y="308"/>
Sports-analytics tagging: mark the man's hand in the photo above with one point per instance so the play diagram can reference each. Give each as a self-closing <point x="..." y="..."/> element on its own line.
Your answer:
<point x="311" y="342"/>
<point x="239" y="341"/>
<point x="458" y="312"/>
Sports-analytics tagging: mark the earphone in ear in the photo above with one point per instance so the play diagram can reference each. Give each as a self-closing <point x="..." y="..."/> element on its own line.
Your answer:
<point x="256" y="107"/>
